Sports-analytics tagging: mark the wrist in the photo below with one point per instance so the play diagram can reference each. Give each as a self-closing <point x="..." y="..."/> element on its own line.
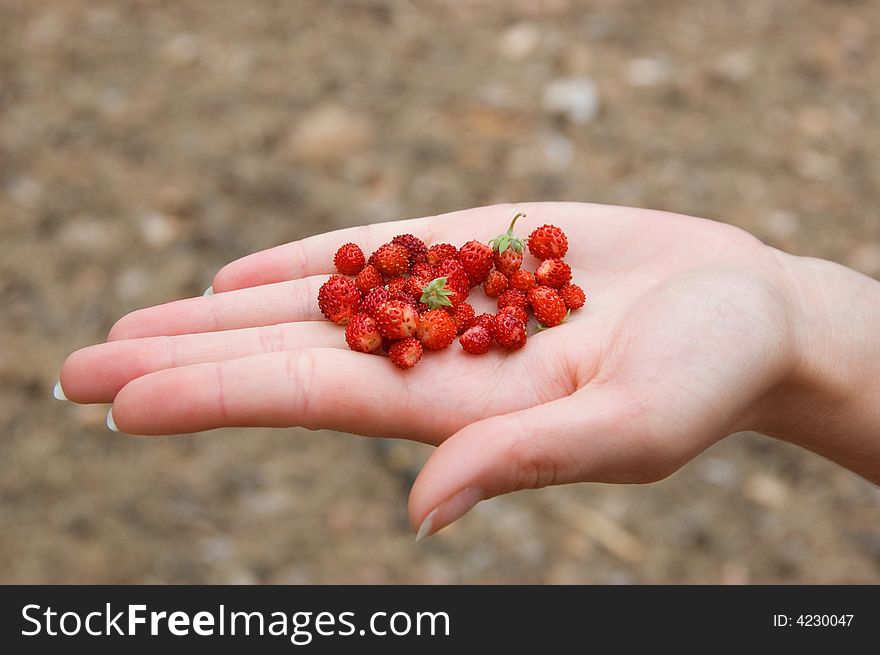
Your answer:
<point x="828" y="397"/>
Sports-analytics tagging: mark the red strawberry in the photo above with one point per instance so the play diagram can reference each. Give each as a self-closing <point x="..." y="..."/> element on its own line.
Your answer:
<point x="508" y="250"/>
<point x="405" y="353"/>
<point x="397" y="319"/>
<point x="476" y="258"/>
<point x="349" y="259"/>
<point x="450" y="266"/>
<point x="509" y="331"/>
<point x="573" y="296"/>
<point x="522" y="280"/>
<point x="436" y="329"/>
<point x="424" y="269"/>
<point x="513" y="297"/>
<point x="418" y="251"/>
<point x="362" y="334"/>
<point x="373" y="298"/>
<point x="462" y="315"/>
<point x="476" y="340"/>
<point x="368" y="278"/>
<point x="338" y="299"/>
<point x="553" y="273"/>
<point x="398" y="285"/>
<point x="440" y="252"/>
<point x="548" y="242"/>
<point x="519" y="312"/>
<point x="483" y="320"/>
<point x="549" y="307"/>
<point x="392" y="259"/>
<point x="495" y="284"/>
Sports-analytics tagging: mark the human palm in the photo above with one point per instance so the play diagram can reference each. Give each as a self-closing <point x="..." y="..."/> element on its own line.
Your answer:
<point x="684" y="330"/>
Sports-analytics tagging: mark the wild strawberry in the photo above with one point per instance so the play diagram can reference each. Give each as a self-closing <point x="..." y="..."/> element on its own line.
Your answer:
<point x="509" y="331"/>
<point x="483" y="320"/>
<point x="416" y="283"/>
<point x="392" y="259"/>
<point x="418" y="251"/>
<point x="513" y="297"/>
<point x="553" y="273"/>
<point x="397" y="319"/>
<point x="450" y="266"/>
<point x="349" y="259"/>
<point x="362" y="334"/>
<point x="519" y="312"/>
<point x="368" y="278"/>
<point x="548" y="242"/>
<point x="495" y="284"/>
<point x="440" y="252"/>
<point x="476" y="340"/>
<point x="424" y="269"/>
<point x="508" y="250"/>
<point x="573" y="296"/>
<point x="522" y="280"/>
<point x="462" y="315"/>
<point x="372" y="299"/>
<point x="436" y="329"/>
<point x="338" y="299"/>
<point x="405" y="353"/>
<point x="476" y="258"/>
<point x="397" y="285"/>
<point x="549" y="307"/>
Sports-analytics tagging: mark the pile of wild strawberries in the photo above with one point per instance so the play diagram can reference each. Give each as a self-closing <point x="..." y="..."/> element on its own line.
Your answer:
<point x="408" y="297"/>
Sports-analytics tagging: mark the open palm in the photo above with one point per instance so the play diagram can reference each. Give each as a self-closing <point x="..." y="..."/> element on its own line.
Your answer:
<point x="684" y="330"/>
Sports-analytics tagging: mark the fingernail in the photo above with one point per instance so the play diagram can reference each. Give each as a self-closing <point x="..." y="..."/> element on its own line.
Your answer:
<point x="209" y="291"/>
<point x="110" y="422"/>
<point x="58" y="392"/>
<point x="449" y="511"/>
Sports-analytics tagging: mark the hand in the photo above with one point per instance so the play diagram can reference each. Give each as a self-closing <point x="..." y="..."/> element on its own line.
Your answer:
<point x="686" y="331"/>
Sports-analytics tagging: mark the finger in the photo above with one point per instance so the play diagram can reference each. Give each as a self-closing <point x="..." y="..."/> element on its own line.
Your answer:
<point x="590" y="435"/>
<point x="284" y="302"/>
<point x="311" y="256"/>
<point x="314" y="388"/>
<point x="97" y="373"/>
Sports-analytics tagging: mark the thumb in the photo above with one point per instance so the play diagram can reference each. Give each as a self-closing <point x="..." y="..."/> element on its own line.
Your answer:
<point x="577" y="438"/>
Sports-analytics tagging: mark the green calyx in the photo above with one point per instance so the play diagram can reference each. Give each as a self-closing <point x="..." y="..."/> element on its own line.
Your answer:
<point x="507" y="240"/>
<point x="435" y="294"/>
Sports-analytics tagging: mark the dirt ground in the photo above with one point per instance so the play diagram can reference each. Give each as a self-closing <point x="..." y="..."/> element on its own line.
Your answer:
<point x="145" y="143"/>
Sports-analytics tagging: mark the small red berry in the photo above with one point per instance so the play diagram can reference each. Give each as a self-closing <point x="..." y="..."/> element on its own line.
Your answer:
<point x="513" y="297"/>
<point x="483" y="320"/>
<point x="463" y="316"/>
<point x="508" y="250"/>
<point x="397" y="319"/>
<point x="424" y="269"/>
<point x="509" y="331"/>
<point x="418" y="251"/>
<point x="349" y="259"/>
<point x="405" y="353"/>
<point x="519" y="312"/>
<point x="392" y="259"/>
<point x="362" y="334"/>
<point x="495" y="284"/>
<point x="476" y="258"/>
<point x="440" y="252"/>
<point x="522" y="280"/>
<point x="338" y="299"/>
<point x="436" y="329"/>
<point x="553" y="273"/>
<point x="373" y="298"/>
<point x="476" y="340"/>
<point x="398" y="285"/>
<point x="548" y="242"/>
<point x="368" y="278"/>
<point x="549" y="307"/>
<point x="573" y="296"/>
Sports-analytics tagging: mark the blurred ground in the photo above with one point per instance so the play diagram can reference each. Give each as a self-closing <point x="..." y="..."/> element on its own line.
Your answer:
<point x="145" y="143"/>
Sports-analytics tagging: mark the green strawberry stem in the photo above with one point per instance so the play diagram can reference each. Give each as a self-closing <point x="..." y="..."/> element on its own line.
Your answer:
<point x="435" y="294"/>
<point x="507" y="240"/>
